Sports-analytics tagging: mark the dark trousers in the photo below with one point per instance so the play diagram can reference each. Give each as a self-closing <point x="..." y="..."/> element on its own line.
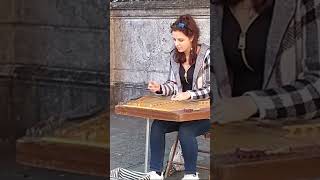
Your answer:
<point x="187" y="133"/>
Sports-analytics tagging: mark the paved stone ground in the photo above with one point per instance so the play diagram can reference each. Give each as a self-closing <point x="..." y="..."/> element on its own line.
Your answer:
<point x="127" y="145"/>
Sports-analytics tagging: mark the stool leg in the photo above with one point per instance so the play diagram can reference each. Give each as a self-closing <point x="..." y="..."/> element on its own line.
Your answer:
<point x="170" y="161"/>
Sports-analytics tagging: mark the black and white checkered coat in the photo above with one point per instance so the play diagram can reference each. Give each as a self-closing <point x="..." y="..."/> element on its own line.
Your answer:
<point x="201" y="76"/>
<point x="291" y="87"/>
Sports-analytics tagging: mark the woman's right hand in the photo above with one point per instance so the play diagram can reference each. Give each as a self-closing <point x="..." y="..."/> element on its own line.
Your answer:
<point x="154" y="86"/>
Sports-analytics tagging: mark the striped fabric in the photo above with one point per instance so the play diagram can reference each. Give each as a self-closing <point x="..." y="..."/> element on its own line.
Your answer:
<point x="201" y="77"/>
<point x="291" y="87"/>
<point x="124" y="174"/>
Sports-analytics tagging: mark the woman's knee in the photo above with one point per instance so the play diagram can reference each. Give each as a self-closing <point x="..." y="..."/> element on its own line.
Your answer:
<point x="164" y="126"/>
<point x="158" y="127"/>
<point x="186" y="134"/>
<point x="155" y="127"/>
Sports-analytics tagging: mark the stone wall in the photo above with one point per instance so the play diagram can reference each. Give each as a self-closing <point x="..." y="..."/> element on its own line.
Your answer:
<point x="53" y="61"/>
<point x="140" y="41"/>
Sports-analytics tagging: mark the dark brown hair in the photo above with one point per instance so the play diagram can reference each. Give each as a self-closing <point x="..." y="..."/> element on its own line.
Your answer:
<point x="187" y="25"/>
<point x="258" y="5"/>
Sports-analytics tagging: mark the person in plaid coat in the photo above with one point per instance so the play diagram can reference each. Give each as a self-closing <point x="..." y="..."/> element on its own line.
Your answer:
<point x="278" y="43"/>
<point x="189" y="78"/>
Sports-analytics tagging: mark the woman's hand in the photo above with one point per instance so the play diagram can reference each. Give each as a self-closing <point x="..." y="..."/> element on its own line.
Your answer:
<point x="181" y="96"/>
<point x="154" y="86"/>
<point x="234" y="109"/>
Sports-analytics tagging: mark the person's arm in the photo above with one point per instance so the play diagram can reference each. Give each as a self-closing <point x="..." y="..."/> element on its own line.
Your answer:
<point x="203" y="92"/>
<point x="170" y="87"/>
<point x="300" y="98"/>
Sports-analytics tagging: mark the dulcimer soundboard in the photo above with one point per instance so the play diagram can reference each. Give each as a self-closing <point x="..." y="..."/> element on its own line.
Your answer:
<point x="163" y="108"/>
<point x="78" y="146"/>
<point x="253" y="150"/>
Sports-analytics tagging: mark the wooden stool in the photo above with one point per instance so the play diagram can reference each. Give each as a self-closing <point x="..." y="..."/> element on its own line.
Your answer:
<point x="169" y="168"/>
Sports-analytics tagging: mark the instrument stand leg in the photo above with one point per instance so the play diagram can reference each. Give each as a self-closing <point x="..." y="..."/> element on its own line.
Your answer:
<point x="147" y="146"/>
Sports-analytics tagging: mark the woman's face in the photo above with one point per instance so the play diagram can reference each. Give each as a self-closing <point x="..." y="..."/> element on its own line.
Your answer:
<point x="182" y="42"/>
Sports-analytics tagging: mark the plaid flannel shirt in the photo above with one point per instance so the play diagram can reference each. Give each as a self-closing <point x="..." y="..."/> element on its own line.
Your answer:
<point x="201" y="76"/>
<point x="291" y="87"/>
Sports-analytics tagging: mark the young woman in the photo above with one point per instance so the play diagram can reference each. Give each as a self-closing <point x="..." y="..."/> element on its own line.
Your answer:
<point x="266" y="59"/>
<point x="189" y="78"/>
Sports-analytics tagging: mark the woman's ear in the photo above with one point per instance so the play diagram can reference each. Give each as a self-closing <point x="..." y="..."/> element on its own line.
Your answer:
<point x="191" y="39"/>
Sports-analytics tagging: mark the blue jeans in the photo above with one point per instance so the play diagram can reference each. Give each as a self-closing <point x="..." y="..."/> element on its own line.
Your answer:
<point x="187" y="133"/>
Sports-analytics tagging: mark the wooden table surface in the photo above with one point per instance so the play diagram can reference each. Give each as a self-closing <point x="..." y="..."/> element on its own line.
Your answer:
<point x="162" y="108"/>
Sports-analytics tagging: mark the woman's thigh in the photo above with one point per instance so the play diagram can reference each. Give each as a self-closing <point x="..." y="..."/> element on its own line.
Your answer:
<point x="196" y="128"/>
<point x="165" y="126"/>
